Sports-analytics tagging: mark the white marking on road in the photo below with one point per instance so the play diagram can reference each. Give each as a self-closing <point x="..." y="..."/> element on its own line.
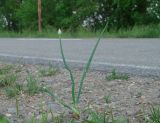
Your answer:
<point x="81" y="62"/>
<point x="49" y="39"/>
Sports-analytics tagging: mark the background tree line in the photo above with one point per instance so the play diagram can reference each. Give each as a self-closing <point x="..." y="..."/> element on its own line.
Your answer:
<point x="19" y="15"/>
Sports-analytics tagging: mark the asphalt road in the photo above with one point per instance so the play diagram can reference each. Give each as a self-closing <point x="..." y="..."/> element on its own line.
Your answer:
<point x="133" y="56"/>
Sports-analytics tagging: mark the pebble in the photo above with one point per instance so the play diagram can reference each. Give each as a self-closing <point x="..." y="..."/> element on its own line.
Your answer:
<point x="12" y="110"/>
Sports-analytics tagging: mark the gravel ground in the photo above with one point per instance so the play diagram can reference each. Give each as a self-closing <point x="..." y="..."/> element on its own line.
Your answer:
<point x="127" y="97"/>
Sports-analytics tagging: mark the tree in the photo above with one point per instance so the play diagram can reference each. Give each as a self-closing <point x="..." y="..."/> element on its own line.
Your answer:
<point x="7" y="13"/>
<point x="154" y="10"/>
<point x="39" y="15"/>
<point x="68" y="15"/>
<point x="119" y="14"/>
<point x="27" y="15"/>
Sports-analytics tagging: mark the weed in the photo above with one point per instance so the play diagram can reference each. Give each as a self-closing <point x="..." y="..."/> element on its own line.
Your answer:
<point x="120" y="120"/>
<point x="75" y="99"/>
<point x="50" y="71"/>
<point x="32" y="85"/>
<point x="114" y="76"/>
<point x="11" y="91"/>
<point x="14" y="90"/>
<point x="107" y="99"/>
<point x="44" y="117"/>
<point x="59" y="119"/>
<point x="3" y="119"/>
<point x="155" y="114"/>
<point x="95" y="117"/>
<point x="85" y="71"/>
<point x="5" y="69"/>
<point x="7" y="80"/>
<point x="139" y="94"/>
<point x="33" y="120"/>
<point x="18" y="69"/>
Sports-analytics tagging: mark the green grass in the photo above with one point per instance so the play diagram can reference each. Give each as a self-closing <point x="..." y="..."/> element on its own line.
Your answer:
<point x="33" y="86"/>
<point x="49" y="71"/>
<point x="108" y="99"/>
<point x="117" y="76"/>
<point x="3" y="119"/>
<point x="155" y="114"/>
<point x="14" y="90"/>
<point x="7" y="80"/>
<point x="7" y="76"/>
<point x="104" y="117"/>
<point x="5" y="69"/>
<point x="143" y="31"/>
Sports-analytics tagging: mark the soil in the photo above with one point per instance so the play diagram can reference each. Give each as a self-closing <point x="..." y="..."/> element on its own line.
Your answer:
<point x="128" y="98"/>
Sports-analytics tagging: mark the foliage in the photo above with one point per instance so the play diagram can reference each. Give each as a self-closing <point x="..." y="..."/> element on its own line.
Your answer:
<point x="5" y="69"/>
<point x="154" y="10"/>
<point x="3" y="119"/>
<point x="108" y="98"/>
<point x="104" y="117"/>
<point x="32" y="85"/>
<point x="50" y="71"/>
<point x="155" y="114"/>
<point x="13" y="90"/>
<point x="27" y="15"/>
<point x="20" y="15"/>
<point x="114" y="75"/>
<point x="8" y="18"/>
<point x="138" y="31"/>
<point x="7" y="80"/>
<point x="85" y="71"/>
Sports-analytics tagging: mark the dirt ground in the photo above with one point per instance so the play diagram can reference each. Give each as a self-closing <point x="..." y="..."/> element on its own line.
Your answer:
<point x="128" y="98"/>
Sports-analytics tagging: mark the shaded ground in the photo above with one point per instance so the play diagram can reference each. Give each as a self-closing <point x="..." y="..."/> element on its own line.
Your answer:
<point x="127" y="97"/>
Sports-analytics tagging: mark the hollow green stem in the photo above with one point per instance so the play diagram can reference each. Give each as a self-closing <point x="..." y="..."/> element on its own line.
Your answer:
<point x="70" y="72"/>
<point x="88" y="65"/>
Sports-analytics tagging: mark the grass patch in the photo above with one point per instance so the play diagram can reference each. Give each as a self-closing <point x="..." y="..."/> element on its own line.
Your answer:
<point x="7" y="80"/>
<point x="3" y="119"/>
<point x="117" y="76"/>
<point x="5" y="69"/>
<point x="108" y="99"/>
<point x="49" y="71"/>
<point x="33" y="86"/>
<point x="143" y="31"/>
<point x="155" y="114"/>
<point x="13" y="91"/>
<point x="104" y="117"/>
<point x="7" y="76"/>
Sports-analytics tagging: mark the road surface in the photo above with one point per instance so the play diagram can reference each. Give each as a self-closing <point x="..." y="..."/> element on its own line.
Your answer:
<point x="133" y="56"/>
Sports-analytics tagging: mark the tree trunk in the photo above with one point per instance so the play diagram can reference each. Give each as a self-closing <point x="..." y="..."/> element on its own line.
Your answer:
<point x="39" y="15"/>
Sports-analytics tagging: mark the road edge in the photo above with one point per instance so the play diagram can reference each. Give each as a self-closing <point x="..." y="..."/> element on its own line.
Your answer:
<point x="99" y="66"/>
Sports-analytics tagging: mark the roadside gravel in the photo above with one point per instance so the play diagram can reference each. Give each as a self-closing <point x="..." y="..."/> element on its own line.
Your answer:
<point x="127" y="97"/>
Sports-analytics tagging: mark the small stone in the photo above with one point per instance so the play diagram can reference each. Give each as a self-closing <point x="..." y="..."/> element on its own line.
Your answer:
<point x="12" y="110"/>
<point x="8" y="115"/>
